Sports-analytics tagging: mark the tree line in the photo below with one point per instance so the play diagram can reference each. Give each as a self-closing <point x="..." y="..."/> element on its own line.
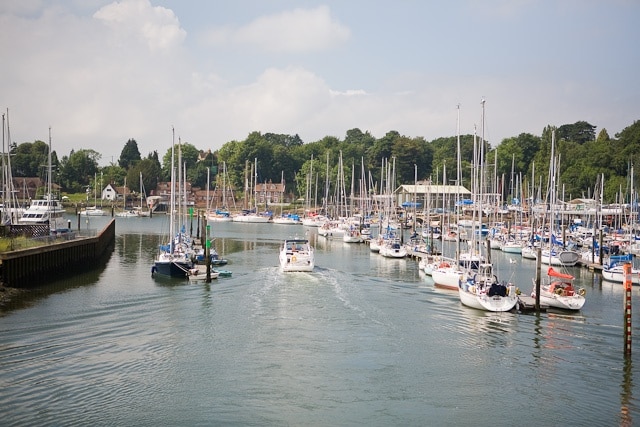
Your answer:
<point x="584" y="161"/>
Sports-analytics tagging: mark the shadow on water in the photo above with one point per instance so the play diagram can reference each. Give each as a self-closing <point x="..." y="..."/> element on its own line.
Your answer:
<point x="66" y="280"/>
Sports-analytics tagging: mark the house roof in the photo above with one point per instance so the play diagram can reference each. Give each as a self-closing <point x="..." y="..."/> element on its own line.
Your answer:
<point x="434" y="189"/>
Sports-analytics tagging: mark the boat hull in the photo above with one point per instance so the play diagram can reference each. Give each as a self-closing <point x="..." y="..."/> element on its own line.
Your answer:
<point x="616" y="274"/>
<point x="172" y="268"/>
<point x="482" y="301"/>
<point x="251" y="218"/>
<point x="297" y="255"/>
<point x="573" y="302"/>
<point x="447" y="277"/>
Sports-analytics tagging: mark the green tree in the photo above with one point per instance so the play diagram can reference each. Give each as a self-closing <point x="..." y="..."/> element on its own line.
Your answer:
<point x="185" y="156"/>
<point x="77" y="170"/>
<point x="603" y="135"/>
<point x="150" y="170"/>
<point x="579" y="132"/>
<point x="129" y="155"/>
<point x="114" y="174"/>
<point x="29" y="159"/>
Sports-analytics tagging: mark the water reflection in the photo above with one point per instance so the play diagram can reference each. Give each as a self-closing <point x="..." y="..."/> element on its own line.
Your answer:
<point x="626" y="394"/>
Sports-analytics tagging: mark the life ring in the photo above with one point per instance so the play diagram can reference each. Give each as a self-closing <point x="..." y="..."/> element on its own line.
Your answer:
<point x="559" y="291"/>
<point x="293" y="258"/>
<point x="582" y="292"/>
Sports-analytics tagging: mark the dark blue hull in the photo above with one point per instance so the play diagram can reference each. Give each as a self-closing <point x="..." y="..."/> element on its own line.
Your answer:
<point x="172" y="268"/>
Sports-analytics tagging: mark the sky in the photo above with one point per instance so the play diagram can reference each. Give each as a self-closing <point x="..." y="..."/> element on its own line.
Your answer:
<point x="101" y="72"/>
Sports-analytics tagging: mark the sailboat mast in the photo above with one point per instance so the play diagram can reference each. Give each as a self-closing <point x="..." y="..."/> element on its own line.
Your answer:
<point x="49" y="168"/>
<point x="173" y="192"/>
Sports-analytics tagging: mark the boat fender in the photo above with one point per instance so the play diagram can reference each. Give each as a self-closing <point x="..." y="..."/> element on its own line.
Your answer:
<point x="582" y="292"/>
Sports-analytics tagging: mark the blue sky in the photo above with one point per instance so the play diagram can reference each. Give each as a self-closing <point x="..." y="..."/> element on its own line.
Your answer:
<point x="101" y="72"/>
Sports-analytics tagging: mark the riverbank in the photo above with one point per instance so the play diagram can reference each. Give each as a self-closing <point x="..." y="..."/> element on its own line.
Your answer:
<point x="8" y="294"/>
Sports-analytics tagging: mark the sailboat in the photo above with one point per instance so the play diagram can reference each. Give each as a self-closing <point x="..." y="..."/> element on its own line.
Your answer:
<point x="556" y="254"/>
<point x="481" y="289"/>
<point x="140" y="210"/>
<point x="558" y="291"/>
<point x="251" y="214"/>
<point x="174" y="258"/>
<point x="221" y="214"/>
<point x="10" y="207"/>
<point x="448" y="273"/>
<point x="126" y="213"/>
<point x="94" y="210"/>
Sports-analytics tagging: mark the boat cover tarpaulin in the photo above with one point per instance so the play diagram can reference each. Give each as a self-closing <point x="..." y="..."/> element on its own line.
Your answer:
<point x="554" y="273"/>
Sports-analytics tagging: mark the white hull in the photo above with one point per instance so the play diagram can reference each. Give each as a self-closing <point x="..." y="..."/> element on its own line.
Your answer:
<point x="617" y="275"/>
<point x="559" y="292"/>
<point x="353" y="237"/>
<point x="297" y="255"/>
<point x="512" y="248"/>
<point x="529" y="253"/>
<point x="44" y="211"/>
<point x="127" y="214"/>
<point x="337" y="232"/>
<point x="394" y="250"/>
<point x="92" y="212"/>
<point x="474" y="298"/>
<point x="574" y="302"/>
<point x="447" y="277"/>
<point x="219" y="218"/>
<point x="286" y="221"/>
<point x="251" y="218"/>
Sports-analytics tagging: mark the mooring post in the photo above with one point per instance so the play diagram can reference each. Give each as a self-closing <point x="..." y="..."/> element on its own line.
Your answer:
<point x="627" y="308"/>
<point x="600" y="247"/>
<point x="207" y="250"/>
<point x="538" y="267"/>
<point x="198" y="223"/>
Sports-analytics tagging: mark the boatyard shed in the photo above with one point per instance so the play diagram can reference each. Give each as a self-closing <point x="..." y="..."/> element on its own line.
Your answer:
<point x="431" y="196"/>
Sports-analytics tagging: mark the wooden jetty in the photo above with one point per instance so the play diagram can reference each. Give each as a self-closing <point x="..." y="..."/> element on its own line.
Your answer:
<point x="527" y="304"/>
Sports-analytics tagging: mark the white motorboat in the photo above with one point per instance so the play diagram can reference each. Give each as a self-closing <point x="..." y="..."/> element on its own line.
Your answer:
<point x="297" y="255"/>
<point x="44" y="211"/>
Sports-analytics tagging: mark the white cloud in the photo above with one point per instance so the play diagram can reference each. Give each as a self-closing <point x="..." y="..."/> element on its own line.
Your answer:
<point x="157" y="26"/>
<point x="298" y="30"/>
<point x="123" y="71"/>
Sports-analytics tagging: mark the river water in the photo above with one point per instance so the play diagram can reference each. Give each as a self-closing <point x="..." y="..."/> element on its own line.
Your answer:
<point x="363" y="340"/>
